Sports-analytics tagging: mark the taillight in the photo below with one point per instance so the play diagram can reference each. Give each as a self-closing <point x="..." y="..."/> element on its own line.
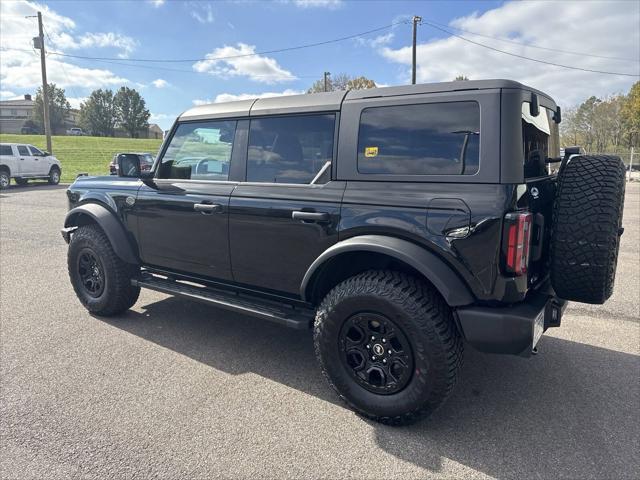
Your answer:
<point x="516" y="240"/>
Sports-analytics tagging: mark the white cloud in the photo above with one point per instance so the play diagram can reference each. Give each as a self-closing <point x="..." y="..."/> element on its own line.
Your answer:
<point x="156" y="3"/>
<point x="579" y="27"/>
<point x="6" y="94"/>
<point x="244" y="63"/>
<point x="318" y="3"/>
<point x="376" y="42"/>
<point x="160" y="83"/>
<point x="20" y="68"/>
<point x="231" y="97"/>
<point x="203" y="13"/>
<point x="76" y="101"/>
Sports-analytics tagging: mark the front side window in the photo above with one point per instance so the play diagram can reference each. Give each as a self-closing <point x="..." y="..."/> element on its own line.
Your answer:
<point x="291" y="149"/>
<point x="423" y="139"/>
<point x="199" y="151"/>
<point x="22" y="150"/>
<point x="36" y="152"/>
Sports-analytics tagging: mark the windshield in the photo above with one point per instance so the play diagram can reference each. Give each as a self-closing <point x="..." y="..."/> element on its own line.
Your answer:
<point x="541" y="140"/>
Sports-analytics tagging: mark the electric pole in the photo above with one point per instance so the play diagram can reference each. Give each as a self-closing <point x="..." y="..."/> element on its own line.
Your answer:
<point x="326" y="80"/>
<point x="38" y="42"/>
<point x="416" y="19"/>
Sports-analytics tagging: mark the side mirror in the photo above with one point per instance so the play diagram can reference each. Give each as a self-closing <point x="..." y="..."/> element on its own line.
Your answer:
<point x="557" y="116"/>
<point x="129" y="166"/>
<point x="534" y="106"/>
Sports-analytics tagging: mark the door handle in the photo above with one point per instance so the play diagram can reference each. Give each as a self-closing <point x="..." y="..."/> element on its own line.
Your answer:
<point x="207" y="208"/>
<point x="22" y="159"/>
<point x="310" y="216"/>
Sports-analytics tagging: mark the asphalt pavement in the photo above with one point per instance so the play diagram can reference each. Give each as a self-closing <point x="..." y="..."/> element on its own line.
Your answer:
<point x="174" y="389"/>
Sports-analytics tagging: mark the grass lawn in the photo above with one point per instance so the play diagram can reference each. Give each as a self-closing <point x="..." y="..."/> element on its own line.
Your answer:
<point x="85" y="154"/>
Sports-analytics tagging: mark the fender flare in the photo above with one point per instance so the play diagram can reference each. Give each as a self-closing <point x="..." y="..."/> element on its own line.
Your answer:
<point x="109" y="223"/>
<point x="454" y="291"/>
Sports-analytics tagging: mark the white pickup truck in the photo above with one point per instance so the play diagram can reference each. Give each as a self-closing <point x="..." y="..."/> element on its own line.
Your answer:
<point x="24" y="162"/>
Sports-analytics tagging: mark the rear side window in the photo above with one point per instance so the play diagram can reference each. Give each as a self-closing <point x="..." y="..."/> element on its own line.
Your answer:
<point x="22" y="150"/>
<point x="423" y="139"/>
<point x="5" y="150"/>
<point x="291" y="149"/>
<point x="199" y="151"/>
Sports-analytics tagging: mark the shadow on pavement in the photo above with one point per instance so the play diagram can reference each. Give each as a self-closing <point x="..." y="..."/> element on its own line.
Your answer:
<point x="571" y="411"/>
<point x="31" y="187"/>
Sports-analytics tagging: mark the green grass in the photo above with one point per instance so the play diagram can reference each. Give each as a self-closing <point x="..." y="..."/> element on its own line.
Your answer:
<point x="85" y="154"/>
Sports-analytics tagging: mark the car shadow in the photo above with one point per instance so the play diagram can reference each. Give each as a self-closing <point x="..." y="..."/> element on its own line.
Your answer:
<point x="31" y="186"/>
<point x="569" y="412"/>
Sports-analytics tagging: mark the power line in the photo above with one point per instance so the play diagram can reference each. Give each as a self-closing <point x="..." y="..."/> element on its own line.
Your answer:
<point x="524" y="57"/>
<point x="230" y="57"/>
<point x="531" y="45"/>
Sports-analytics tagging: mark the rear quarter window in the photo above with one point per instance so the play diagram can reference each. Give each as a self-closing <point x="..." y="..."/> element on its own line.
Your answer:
<point x="422" y="139"/>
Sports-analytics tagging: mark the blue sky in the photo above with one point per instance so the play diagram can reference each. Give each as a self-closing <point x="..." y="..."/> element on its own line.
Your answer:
<point x="127" y="30"/>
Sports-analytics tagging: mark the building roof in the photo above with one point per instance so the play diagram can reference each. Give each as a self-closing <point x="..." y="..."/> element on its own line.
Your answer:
<point x="21" y="102"/>
<point x="331" y="101"/>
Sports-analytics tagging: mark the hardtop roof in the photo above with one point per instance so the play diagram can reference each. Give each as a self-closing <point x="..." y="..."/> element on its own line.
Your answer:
<point x="332" y="101"/>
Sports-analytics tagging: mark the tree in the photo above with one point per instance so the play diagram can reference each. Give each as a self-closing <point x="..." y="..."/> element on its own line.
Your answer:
<point x="630" y="113"/>
<point x="98" y="113"/>
<point x="360" y="83"/>
<point x="461" y="77"/>
<point x="132" y="113"/>
<point x="58" y="107"/>
<point x="342" y="81"/>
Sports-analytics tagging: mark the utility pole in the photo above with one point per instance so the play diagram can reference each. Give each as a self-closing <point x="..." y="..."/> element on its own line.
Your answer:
<point x="416" y="20"/>
<point x="326" y="80"/>
<point x="39" y="43"/>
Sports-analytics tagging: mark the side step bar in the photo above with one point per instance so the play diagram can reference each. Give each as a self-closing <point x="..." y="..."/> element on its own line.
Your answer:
<point x="289" y="316"/>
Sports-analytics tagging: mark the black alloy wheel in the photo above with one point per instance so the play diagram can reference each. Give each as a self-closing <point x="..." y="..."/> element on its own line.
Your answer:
<point x="91" y="273"/>
<point x="376" y="353"/>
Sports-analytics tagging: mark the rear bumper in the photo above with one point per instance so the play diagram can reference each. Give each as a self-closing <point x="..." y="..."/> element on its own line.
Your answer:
<point x="514" y="329"/>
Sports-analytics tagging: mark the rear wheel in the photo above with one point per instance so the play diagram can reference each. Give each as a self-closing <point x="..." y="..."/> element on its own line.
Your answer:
<point x="101" y="280"/>
<point x="387" y="344"/>
<point x="54" y="176"/>
<point x="5" y="178"/>
<point x="587" y="224"/>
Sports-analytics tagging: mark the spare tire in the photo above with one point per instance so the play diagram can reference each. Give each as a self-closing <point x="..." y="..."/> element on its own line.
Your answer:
<point x="586" y="229"/>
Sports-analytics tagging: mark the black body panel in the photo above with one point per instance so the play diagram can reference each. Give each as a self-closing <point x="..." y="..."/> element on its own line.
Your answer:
<point x="269" y="248"/>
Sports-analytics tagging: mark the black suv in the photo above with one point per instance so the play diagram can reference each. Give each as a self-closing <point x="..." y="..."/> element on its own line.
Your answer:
<point x="399" y="223"/>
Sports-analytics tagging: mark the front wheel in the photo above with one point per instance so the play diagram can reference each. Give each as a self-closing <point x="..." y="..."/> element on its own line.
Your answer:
<point x="54" y="176"/>
<point x="388" y="345"/>
<point x="101" y="280"/>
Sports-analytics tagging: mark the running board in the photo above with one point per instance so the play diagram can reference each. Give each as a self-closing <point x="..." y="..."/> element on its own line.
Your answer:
<point x="289" y="316"/>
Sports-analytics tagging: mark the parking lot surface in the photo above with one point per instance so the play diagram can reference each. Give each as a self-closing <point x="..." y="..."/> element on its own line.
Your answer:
<point x="174" y="389"/>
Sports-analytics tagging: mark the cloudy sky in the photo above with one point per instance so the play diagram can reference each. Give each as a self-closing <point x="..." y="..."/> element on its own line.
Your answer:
<point x="591" y="35"/>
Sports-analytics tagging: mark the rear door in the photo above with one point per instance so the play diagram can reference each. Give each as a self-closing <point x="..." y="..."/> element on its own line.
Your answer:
<point x="287" y="211"/>
<point x="182" y="221"/>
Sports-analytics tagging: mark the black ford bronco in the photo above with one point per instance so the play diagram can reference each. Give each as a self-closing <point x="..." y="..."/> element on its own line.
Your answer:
<point x="398" y="223"/>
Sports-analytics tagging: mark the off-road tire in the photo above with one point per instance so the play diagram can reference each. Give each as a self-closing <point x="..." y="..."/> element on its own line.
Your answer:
<point x="426" y="321"/>
<point x="5" y="178"/>
<point x="586" y="229"/>
<point x="118" y="294"/>
<point x="21" y="181"/>
<point x="54" y="176"/>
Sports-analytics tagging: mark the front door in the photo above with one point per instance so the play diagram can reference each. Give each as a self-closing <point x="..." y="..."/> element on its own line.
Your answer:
<point x="182" y="220"/>
<point x="288" y="210"/>
<point x="41" y="164"/>
<point x="26" y="162"/>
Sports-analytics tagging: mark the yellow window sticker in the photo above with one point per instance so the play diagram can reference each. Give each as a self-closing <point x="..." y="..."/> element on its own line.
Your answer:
<point x="371" y="152"/>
